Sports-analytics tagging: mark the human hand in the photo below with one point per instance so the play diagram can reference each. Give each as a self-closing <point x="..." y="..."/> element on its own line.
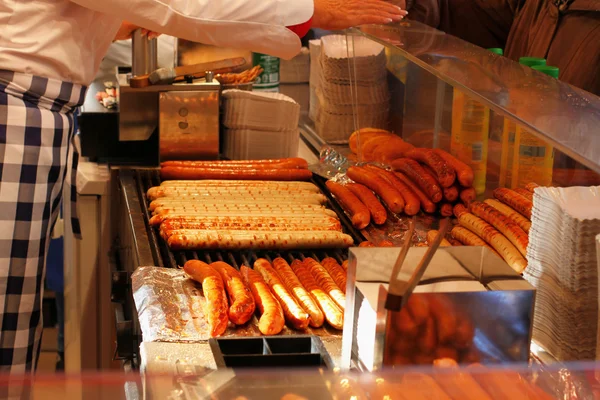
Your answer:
<point x="126" y="31"/>
<point x="342" y="14"/>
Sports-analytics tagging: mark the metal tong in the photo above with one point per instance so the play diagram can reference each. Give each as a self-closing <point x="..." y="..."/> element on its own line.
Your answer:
<point x="399" y="291"/>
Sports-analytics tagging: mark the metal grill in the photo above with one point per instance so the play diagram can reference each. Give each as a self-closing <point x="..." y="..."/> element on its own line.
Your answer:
<point x="164" y="257"/>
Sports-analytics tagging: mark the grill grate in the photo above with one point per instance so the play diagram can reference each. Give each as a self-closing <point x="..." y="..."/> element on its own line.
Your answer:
<point x="164" y="257"/>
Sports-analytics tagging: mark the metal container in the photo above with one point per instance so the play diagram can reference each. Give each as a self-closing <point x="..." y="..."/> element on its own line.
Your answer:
<point x="144" y="54"/>
<point x="470" y="292"/>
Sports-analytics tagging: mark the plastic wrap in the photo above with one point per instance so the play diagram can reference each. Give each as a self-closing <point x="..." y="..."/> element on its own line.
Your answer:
<point x="170" y="308"/>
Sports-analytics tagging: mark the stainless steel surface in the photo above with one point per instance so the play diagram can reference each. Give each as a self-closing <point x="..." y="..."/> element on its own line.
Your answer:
<point x="139" y="108"/>
<point x="566" y="117"/>
<point x="189" y="125"/>
<point x="464" y="276"/>
<point x="144" y="57"/>
<point x="209" y="76"/>
<point x="188" y="53"/>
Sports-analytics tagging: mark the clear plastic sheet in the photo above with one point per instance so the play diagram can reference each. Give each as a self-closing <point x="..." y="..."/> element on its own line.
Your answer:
<point x="170" y="308"/>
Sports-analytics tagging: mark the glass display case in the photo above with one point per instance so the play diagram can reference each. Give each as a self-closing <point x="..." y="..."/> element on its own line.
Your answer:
<point x="511" y="123"/>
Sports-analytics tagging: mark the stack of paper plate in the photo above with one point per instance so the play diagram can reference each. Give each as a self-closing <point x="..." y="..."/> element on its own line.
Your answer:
<point x="563" y="266"/>
<point x="259" y="125"/>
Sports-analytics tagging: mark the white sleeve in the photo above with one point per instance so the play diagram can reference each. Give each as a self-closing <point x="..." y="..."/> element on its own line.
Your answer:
<point x="231" y="23"/>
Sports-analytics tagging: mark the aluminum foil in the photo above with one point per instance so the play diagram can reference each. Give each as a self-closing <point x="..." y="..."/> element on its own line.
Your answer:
<point x="170" y="308"/>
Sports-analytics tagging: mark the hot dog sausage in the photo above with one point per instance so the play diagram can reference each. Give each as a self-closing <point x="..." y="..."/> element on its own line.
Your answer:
<point x="267" y="164"/>
<point x="468" y="238"/>
<point x="214" y="292"/>
<point x="271" y="321"/>
<point x="426" y="204"/>
<point x="167" y="173"/>
<point x="236" y="240"/>
<point x="415" y="172"/>
<point x="357" y="209"/>
<point x="213" y="184"/>
<point x="446" y="209"/>
<point x="390" y="196"/>
<point x="514" y="216"/>
<point x="326" y="282"/>
<point x="525" y="193"/>
<point x="467" y="195"/>
<point x="364" y="194"/>
<point x="182" y="192"/>
<point x="460" y="209"/>
<point x="240" y="298"/>
<point x="431" y="236"/>
<point x="292" y="311"/>
<point x="514" y="200"/>
<point x="335" y="271"/>
<point x="464" y="173"/>
<point x="412" y="205"/>
<point x="345" y="265"/>
<point x="443" y="172"/>
<point x="366" y="243"/>
<point x="451" y="193"/>
<point x="512" y="231"/>
<point x="531" y="186"/>
<point x="291" y="282"/>
<point x="332" y="312"/>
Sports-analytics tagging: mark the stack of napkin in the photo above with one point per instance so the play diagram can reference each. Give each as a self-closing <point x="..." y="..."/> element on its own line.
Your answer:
<point x="259" y="125"/>
<point x="563" y="266"/>
<point x="352" y="88"/>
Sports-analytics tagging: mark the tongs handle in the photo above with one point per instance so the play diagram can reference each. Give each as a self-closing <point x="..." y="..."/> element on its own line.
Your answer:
<point x="395" y="287"/>
<point x="398" y="295"/>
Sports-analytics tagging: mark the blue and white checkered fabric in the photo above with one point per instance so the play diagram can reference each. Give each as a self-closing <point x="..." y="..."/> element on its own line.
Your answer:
<point x="36" y="128"/>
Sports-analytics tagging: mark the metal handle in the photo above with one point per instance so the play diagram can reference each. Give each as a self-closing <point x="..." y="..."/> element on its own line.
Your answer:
<point x="398" y="300"/>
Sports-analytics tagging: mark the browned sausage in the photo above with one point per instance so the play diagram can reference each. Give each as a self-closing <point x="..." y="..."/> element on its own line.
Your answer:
<point x="336" y="271"/>
<point x="213" y="289"/>
<point x="281" y="163"/>
<point x="446" y="209"/>
<point x="377" y="210"/>
<point x="514" y="200"/>
<point x="460" y="209"/>
<point x="290" y="280"/>
<point x="464" y="173"/>
<point x="241" y="302"/>
<point x="426" y="204"/>
<point x="412" y="205"/>
<point x="292" y="311"/>
<point x="191" y="173"/>
<point x="443" y="172"/>
<point x="468" y="195"/>
<point x="390" y="196"/>
<point x="366" y="243"/>
<point x="325" y="281"/>
<point x="525" y="193"/>
<point x="451" y="193"/>
<point x="415" y="172"/>
<point x="272" y="320"/>
<point x="357" y="209"/>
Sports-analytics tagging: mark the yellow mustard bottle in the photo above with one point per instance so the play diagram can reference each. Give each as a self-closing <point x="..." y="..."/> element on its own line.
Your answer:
<point x="533" y="158"/>
<point x="509" y="134"/>
<point x="469" y="137"/>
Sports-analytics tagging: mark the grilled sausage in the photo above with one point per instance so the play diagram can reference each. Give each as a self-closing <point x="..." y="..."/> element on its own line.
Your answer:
<point x="293" y="285"/>
<point x="385" y="243"/>
<point x="511" y="214"/>
<point x="426" y="204"/>
<point x="460" y="209"/>
<point x="240" y="298"/>
<point x="345" y="265"/>
<point x="182" y="221"/>
<point x="170" y="224"/>
<point x="184" y="192"/>
<point x="443" y="172"/>
<point x="464" y="173"/>
<point x="468" y="238"/>
<point x="357" y="209"/>
<point x="192" y="173"/>
<point x="427" y="340"/>
<point x="512" y="231"/>
<point x="451" y="193"/>
<point x="390" y="196"/>
<point x="271" y="321"/>
<point x="431" y="236"/>
<point x="212" y="184"/>
<point x="467" y="195"/>
<point x="445" y="317"/>
<point x="366" y="243"/>
<point x="498" y="241"/>
<point x="236" y="240"/>
<point x="281" y="163"/>
<point x="364" y="194"/>
<point x="531" y="186"/>
<point x="515" y="201"/>
<point x="214" y="293"/>
<point x="294" y="314"/>
<point x="326" y="282"/>
<point x="333" y="314"/>
<point x="446" y="209"/>
<point x="335" y="271"/>
<point x="525" y="193"/>
<point x="416" y="173"/>
<point x="161" y="206"/>
<point x="412" y="205"/>
<point x="359" y="137"/>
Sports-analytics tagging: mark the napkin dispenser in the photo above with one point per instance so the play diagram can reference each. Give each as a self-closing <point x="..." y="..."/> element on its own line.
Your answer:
<point x="473" y="307"/>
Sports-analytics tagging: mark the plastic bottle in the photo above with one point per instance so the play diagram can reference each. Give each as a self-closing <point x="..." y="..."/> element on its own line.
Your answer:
<point x="268" y="81"/>
<point x="470" y="134"/>
<point x="533" y="158"/>
<point x="509" y="134"/>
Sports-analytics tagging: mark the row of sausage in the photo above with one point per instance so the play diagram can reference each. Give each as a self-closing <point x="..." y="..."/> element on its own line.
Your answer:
<point x="301" y="294"/>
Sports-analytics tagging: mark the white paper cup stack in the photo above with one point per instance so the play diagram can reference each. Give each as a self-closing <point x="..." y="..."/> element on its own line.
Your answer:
<point x="563" y="266"/>
<point x="259" y="125"/>
<point x="352" y="87"/>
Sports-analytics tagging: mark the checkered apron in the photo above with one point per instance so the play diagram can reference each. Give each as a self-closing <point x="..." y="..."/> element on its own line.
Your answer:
<point x="36" y="129"/>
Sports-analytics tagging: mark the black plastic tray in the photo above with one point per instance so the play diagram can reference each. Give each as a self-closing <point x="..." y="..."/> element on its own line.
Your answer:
<point x="270" y="352"/>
